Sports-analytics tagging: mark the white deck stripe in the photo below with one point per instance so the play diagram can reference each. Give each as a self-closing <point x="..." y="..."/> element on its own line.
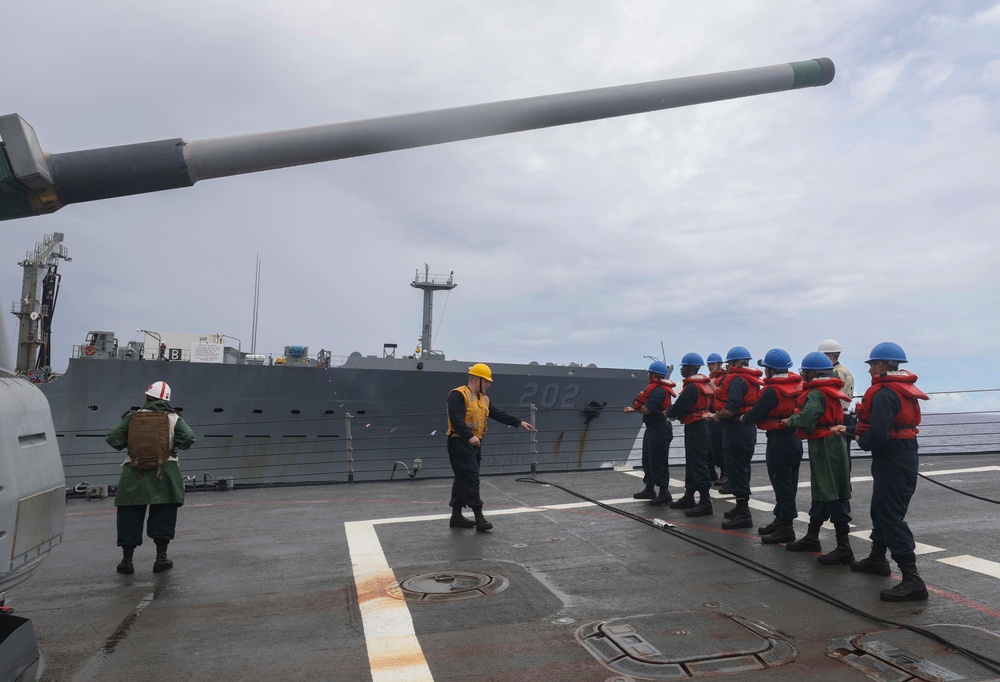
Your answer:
<point x="971" y="563"/>
<point x="394" y="653"/>
<point x="919" y="547"/>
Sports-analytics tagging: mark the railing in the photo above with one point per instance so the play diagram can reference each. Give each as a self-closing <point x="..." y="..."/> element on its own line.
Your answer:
<point x="358" y="447"/>
<point x="352" y="448"/>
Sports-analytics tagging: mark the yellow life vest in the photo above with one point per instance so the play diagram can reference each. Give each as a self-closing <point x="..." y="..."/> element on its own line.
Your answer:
<point x="476" y="411"/>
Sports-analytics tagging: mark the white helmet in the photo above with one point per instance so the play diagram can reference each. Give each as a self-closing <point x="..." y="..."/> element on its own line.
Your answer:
<point x="159" y="390"/>
<point x="829" y="346"/>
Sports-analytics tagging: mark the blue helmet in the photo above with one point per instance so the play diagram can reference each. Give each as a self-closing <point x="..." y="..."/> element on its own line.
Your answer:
<point x="817" y="361"/>
<point x="738" y="353"/>
<point x="693" y="360"/>
<point x="714" y="357"/>
<point x="776" y="358"/>
<point x="658" y="367"/>
<point x="887" y="350"/>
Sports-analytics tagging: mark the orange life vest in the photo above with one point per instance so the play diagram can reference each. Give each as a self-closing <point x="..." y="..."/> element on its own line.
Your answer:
<point x="903" y="384"/>
<point x="833" y="415"/>
<point x="751" y="376"/>
<point x="787" y="387"/>
<point x="666" y="384"/>
<point x="704" y="402"/>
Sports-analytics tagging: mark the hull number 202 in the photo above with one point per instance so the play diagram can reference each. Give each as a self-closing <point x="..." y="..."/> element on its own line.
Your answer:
<point x="549" y="395"/>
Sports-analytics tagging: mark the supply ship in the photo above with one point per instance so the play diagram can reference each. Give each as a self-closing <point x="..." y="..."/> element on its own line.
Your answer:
<point x="308" y="418"/>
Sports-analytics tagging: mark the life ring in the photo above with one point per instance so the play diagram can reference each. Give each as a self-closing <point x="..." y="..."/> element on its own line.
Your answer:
<point x="89" y="350"/>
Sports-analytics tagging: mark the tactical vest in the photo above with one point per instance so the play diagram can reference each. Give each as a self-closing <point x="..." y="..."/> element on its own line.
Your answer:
<point x="902" y="383"/>
<point x="149" y="442"/>
<point x="704" y="402"/>
<point x="787" y="387"/>
<point x="833" y="414"/>
<point x="477" y="409"/>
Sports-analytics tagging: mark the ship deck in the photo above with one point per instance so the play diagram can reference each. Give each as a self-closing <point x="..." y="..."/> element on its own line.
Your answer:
<point x="301" y="584"/>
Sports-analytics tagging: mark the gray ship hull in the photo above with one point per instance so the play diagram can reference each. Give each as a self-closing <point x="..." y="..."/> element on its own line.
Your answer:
<point x="368" y="419"/>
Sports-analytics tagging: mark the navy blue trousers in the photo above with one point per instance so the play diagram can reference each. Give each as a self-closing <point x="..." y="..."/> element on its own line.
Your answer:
<point x="738" y="441"/>
<point x="465" y="461"/>
<point x="696" y="457"/>
<point x="655" y="450"/>
<point x="784" y="456"/>
<point x="894" y="471"/>
<point x="161" y="524"/>
<point x="715" y="445"/>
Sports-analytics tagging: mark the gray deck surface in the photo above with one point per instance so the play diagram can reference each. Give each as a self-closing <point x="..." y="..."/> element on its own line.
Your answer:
<point x="297" y="584"/>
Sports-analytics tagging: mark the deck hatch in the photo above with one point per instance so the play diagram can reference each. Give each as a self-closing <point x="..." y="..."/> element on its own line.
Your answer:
<point x="684" y="645"/>
<point x="881" y="657"/>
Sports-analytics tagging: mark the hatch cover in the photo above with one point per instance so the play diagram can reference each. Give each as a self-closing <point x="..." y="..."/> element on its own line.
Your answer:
<point x="447" y="586"/>
<point x="684" y="644"/>
<point x="900" y="655"/>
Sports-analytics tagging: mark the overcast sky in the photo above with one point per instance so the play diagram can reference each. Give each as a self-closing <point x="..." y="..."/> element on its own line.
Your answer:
<point x="864" y="210"/>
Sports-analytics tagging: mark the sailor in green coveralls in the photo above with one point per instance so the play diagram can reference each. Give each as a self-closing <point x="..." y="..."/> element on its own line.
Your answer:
<point x="150" y="476"/>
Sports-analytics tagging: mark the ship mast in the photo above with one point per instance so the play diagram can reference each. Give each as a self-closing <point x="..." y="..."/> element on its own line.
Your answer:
<point x="34" y="313"/>
<point x="429" y="284"/>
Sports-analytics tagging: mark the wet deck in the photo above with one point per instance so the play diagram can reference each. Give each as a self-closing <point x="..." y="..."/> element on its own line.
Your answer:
<point x="298" y="584"/>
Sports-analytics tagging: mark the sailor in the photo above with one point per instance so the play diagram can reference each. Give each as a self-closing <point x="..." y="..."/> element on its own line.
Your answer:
<point x="737" y="393"/>
<point x="832" y="350"/>
<point x="692" y="404"/>
<point x="715" y="374"/>
<point x="777" y="401"/>
<point x="819" y="411"/>
<point x="652" y="402"/>
<point x="888" y="416"/>
<point x="151" y="476"/>
<point x="468" y="409"/>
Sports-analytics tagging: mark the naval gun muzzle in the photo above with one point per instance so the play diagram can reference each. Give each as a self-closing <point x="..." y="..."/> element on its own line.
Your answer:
<point x="33" y="182"/>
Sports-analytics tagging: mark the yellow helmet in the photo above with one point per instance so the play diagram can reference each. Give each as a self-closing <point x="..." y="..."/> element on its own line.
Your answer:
<point x="482" y="371"/>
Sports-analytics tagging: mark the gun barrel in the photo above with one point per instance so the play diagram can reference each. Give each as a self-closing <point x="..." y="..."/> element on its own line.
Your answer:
<point x="95" y="174"/>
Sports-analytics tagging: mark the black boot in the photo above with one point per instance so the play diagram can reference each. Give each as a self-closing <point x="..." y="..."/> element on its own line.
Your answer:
<point x="704" y="506"/>
<point x="875" y="563"/>
<point x="663" y="498"/>
<point x="726" y="488"/>
<point x="842" y="553"/>
<point x="808" y="542"/>
<point x="782" y="532"/>
<point x="912" y="587"/>
<point x="769" y="528"/>
<point x="646" y="493"/>
<point x="162" y="563"/>
<point x="125" y="565"/>
<point x="722" y="480"/>
<point x="460" y="521"/>
<point x="741" y="516"/>
<point x="482" y="525"/>
<point x="686" y="502"/>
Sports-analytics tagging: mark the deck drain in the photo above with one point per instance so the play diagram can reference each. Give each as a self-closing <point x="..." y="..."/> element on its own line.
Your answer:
<point x="447" y="586"/>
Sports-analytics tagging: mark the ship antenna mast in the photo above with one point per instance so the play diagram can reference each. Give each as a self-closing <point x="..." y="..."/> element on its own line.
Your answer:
<point x="34" y="313"/>
<point x="429" y="284"/>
